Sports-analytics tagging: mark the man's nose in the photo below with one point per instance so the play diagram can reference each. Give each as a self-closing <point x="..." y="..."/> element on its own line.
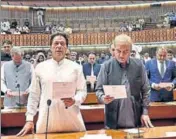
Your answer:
<point x="121" y="54"/>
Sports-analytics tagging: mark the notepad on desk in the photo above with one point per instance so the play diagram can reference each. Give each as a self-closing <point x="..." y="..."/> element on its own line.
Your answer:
<point x="96" y="136"/>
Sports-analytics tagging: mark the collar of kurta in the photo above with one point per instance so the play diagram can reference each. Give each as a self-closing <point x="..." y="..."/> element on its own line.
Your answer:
<point x="58" y="63"/>
<point x="124" y="65"/>
<point x="17" y="65"/>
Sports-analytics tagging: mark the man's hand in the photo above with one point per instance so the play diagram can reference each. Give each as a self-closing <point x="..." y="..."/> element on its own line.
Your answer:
<point x="169" y="87"/>
<point x="68" y="102"/>
<point x="9" y="93"/>
<point x="145" y="120"/>
<point x="29" y="126"/>
<point x="25" y="94"/>
<point x="107" y="99"/>
<point x="157" y="87"/>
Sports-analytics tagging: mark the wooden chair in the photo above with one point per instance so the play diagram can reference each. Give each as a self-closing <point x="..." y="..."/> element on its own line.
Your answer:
<point x="174" y="94"/>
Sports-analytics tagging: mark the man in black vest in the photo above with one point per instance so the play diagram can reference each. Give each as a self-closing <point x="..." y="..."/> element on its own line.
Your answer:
<point x="123" y="70"/>
<point x="5" y="54"/>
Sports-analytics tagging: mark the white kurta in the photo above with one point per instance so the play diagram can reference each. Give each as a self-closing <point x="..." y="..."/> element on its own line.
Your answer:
<point x="60" y="119"/>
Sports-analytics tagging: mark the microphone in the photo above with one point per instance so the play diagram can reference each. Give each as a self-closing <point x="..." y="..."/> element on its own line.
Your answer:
<point x="19" y="102"/>
<point x="48" y="103"/>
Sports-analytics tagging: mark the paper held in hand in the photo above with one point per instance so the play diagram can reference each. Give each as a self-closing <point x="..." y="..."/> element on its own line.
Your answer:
<point x="63" y="90"/>
<point x="16" y="93"/>
<point x="91" y="79"/>
<point x="116" y="91"/>
<point x="164" y="85"/>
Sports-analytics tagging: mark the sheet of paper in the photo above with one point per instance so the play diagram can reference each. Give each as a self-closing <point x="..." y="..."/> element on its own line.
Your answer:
<point x="96" y="136"/>
<point x="170" y="134"/>
<point x="164" y="85"/>
<point x="16" y="93"/>
<point x="133" y="131"/>
<point x="63" y="90"/>
<point x="91" y="79"/>
<point x="116" y="91"/>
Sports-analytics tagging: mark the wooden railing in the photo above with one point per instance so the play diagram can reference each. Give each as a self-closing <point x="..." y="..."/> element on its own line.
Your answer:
<point x="154" y="35"/>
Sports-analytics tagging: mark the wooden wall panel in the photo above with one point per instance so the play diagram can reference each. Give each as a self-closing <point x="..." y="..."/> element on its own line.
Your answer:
<point x="155" y="35"/>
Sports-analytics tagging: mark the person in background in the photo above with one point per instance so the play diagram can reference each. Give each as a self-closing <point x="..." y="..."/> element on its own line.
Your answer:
<point x="146" y="57"/>
<point x="124" y="70"/>
<point x="32" y="61"/>
<point x="102" y="59"/>
<point x="85" y="57"/>
<point x="133" y="54"/>
<point x="160" y="70"/>
<point x="66" y="111"/>
<point x="26" y="23"/>
<point x="73" y="56"/>
<point x="91" y="68"/>
<point x="49" y="54"/>
<point x="39" y="58"/>
<point x="16" y="75"/>
<point x="27" y="57"/>
<point x="5" y="54"/>
<point x="14" y="24"/>
<point x="67" y="55"/>
<point x="112" y="50"/>
<point x="80" y="60"/>
<point x="170" y="55"/>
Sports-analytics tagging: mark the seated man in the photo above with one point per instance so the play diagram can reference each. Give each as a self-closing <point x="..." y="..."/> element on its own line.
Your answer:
<point x="16" y="76"/>
<point x="161" y="71"/>
<point x="91" y="69"/>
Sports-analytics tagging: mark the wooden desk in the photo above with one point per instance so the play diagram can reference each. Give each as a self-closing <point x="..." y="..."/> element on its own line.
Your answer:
<point x="156" y="132"/>
<point x="161" y="114"/>
<point x="2" y="101"/>
<point x="90" y="99"/>
<point x="174" y="94"/>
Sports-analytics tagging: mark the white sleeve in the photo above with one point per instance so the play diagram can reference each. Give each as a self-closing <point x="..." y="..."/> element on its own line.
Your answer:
<point x="32" y="76"/>
<point x="3" y="81"/>
<point x="81" y="91"/>
<point x="34" y="96"/>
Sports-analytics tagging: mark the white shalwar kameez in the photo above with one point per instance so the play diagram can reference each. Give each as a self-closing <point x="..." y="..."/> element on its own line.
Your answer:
<point x="60" y="118"/>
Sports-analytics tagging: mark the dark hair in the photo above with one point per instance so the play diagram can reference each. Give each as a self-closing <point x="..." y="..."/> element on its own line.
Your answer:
<point x="169" y="51"/>
<point x="59" y="34"/>
<point x="7" y="42"/>
<point x="91" y="53"/>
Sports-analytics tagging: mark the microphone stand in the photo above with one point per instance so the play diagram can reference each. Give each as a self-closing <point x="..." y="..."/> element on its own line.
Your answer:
<point x="48" y="103"/>
<point x="19" y="104"/>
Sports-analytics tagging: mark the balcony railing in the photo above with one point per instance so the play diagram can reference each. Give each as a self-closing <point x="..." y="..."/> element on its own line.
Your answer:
<point x="154" y="35"/>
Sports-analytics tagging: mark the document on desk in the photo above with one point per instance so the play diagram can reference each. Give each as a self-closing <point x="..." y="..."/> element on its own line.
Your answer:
<point x="133" y="131"/>
<point x="96" y="136"/>
<point x="170" y="134"/>
<point x="116" y="91"/>
<point x="63" y="90"/>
